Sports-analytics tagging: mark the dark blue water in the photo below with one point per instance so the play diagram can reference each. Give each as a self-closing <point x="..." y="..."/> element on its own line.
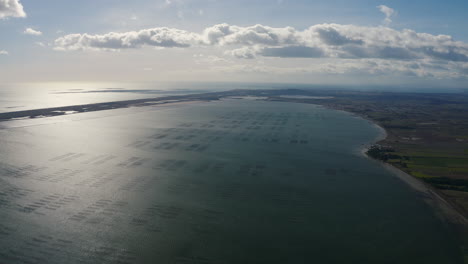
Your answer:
<point x="236" y="181"/>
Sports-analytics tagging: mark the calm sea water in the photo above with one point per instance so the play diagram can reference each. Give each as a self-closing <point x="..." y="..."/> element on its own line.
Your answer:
<point x="236" y="181"/>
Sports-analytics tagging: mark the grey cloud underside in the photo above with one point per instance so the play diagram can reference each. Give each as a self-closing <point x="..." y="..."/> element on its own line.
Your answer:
<point x="11" y="8"/>
<point x="331" y="36"/>
<point x="354" y="51"/>
<point x="318" y="41"/>
<point x="451" y="54"/>
<point x="293" y="52"/>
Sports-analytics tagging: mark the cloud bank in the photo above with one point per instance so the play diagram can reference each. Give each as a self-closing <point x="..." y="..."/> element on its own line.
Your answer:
<point x="3" y="52"/>
<point x="11" y="8"/>
<point x="320" y="42"/>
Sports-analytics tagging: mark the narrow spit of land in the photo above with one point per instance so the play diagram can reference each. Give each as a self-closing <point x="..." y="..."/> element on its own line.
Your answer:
<point x="73" y="109"/>
<point x="427" y="133"/>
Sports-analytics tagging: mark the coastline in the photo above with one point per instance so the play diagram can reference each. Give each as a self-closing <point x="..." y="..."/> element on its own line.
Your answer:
<point x="448" y="213"/>
<point x="443" y="209"/>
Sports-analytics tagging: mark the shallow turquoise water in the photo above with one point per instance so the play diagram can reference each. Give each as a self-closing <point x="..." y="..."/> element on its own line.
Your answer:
<point x="226" y="182"/>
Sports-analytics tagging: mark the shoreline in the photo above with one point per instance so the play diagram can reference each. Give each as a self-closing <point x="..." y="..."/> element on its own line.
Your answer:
<point x="448" y="213"/>
<point x="443" y="209"/>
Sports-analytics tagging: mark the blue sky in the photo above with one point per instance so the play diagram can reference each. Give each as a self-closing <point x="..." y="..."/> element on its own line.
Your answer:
<point x="334" y="41"/>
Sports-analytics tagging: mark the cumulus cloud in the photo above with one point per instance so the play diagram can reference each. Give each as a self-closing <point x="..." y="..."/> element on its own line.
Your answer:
<point x="11" y="8"/>
<point x="3" y="52"/>
<point x="351" y="41"/>
<point x="388" y="12"/>
<point x="322" y="40"/>
<point x="157" y="37"/>
<point x="224" y="34"/>
<point x="30" y="31"/>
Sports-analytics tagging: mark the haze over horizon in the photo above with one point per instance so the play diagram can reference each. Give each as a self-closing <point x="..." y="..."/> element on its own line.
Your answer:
<point x="334" y="42"/>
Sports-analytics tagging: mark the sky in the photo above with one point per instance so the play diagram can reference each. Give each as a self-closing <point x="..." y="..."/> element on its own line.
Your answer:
<point x="371" y="42"/>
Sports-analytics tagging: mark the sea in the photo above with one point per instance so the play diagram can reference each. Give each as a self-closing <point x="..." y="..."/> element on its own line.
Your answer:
<point x="231" y="181"/>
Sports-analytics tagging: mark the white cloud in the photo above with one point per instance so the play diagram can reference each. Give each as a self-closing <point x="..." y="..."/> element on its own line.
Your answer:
<point x="157" y="37"/>
<point x="30" y="31"/>
<point x="3" y="52"/>
<point x="225" y="34"/>
<point x="388" y="12"/>
<point x="322" y="40"/>
<point x="392" y="49"/>
<point x="11" y="8"/>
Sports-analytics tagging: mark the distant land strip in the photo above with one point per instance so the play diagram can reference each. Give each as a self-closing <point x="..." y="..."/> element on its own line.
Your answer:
<point x="64" y="110"/>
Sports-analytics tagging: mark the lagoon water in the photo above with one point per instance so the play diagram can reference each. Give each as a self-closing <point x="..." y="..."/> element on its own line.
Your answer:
<point x="235" y="181"/>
